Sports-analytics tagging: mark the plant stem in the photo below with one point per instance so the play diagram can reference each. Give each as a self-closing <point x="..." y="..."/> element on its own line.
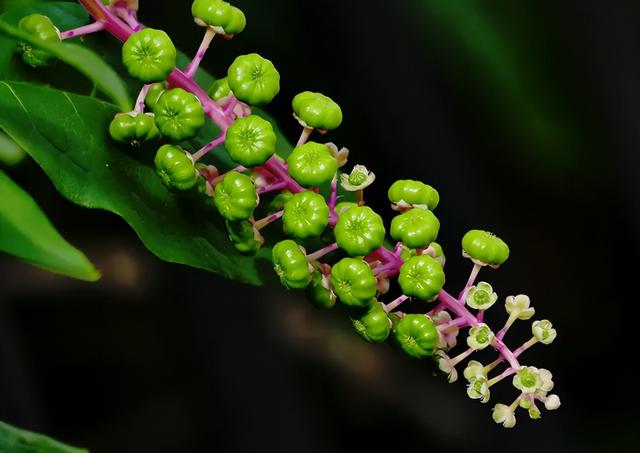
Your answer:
<point x="460" y="357"/>
<point x="231" y="104"/>
<point x="260" y="224"/>
<point x="500" y="335"/>
<point x="458" y="322"/>
<point x="279" y="170"/>
<point x="130" y="17"/>
<point x="81" y="31"/>
<point x="395" y="303"/>
<point x="322" y="252"/>
<point x="333" y="198"/>
<point x="191" y="70"/>
<point x="304" y="136"/>
<point x="506" y="373"/>
<point x="280" y="185"/>
<point x="472" y="278"/>
<point x="139" y="105"/>
<point x="208" y="147"/>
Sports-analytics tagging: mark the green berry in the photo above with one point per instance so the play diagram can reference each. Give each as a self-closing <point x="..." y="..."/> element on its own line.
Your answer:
<point x="279" y="201"/>
<point x="219" y="15"/>
<point x="318" y="292"/>
<point x="244" y="237"/>
<point x="149" y="55"/>
<point x="133" y="128"/>
<point x="344" y="206"/>
<point x="236" y="196"/>
<point x="175" y="167"/>
<point x="373" y="325"/>
<point x="250" y="141"/>
<point x="219" y="89"/>
<point x="155" y="91"/>
<point x="359" y="231"/>
<point x="179" y="114"/>
<point x="290" y="263"/>
<point x="312" y="164"/>
<point x="317" y="110"/>
<point x="485" y="248"/>
<point x="42" y="28"/>
<point x="253" y="79"/>
<point x="416" y="228"/>
<point x="437" y="253"/>
<point x="406" y="193"/>
<point x="306" y="215"/>
<point x="417" y="335"/>
<point x="353" y="282"/>
<point x="421" y="277"/>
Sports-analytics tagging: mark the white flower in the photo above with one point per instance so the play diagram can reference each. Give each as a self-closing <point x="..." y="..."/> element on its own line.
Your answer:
<point x="474" y="369"/>
<point x="481" y="296"/>
<point x="504" y="414"/>
<point x="547" y="380"/>
<point x="444" y="364"/>
<point x="552" y="402"/>
<point x="518" y="307"/>
<point x="449" y="337"/>
<point x="341" y="156"/>
<point x="478" y="389"/>
<point x="544" y="331"/>
<point x="527" y="379"/>
<point x="359" y="178"/>
<point x="480" y="336"/>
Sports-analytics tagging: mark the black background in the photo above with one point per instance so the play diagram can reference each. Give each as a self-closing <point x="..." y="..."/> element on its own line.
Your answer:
<point x="524" y="115"/>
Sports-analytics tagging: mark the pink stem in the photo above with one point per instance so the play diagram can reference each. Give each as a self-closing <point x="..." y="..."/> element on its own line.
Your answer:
<point x="208" y="147"/>
<point x="81" y="31"/>
<point x="304" y="136"/>
<point x="280" y="185"/>
<point x="470" y="281"/>
<point x="451" y="303"/>
<point x="278" y="169"/>
<point x="191" y="70"/>
<point x="458" y="322"/>
<point x="322" y="252"/>
<point x="395" y="303"/>
<point x="438" y="308"/>
<point x="260" y="224"/>
<point x="333" y="199"/>
<point x="139" y="106"/>
<point x="398" y="248"/>
<point x="219" y="178"/>
<point x="231" y="104"/>
<point x="130" y="17"/>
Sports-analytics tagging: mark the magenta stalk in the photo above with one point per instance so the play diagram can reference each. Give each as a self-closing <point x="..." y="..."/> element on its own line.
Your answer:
<point x="208" y="147"/>
<point x="191" y="70"/>
<point x="395" y="303"/>
<point x="260" y="224"/>
<point x="81" y="31"/>
<point x="322" y="252"/>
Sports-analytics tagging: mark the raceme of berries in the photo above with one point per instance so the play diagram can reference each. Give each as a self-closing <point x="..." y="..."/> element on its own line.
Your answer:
<point x="355" y="262"/>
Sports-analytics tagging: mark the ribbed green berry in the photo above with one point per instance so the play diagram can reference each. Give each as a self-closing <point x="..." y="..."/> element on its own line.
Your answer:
<point x="155" y="91"/>
<point x="317" y="110"/>
<point x="219" y="15"/>
<point x="359" y="231"/>
<point x="416" y="228"/>
<point x="253" y="79"/>
<point x="353" y="282"/>
<point x="250" y="141"/>
<point x="149" y="55"/>
<point x="175" y="167"/>
<point x="374" y="324"/>
<point x="407" y="192"/>
<point x="306" y="215"/>
<point x="42" y="28"/>
<point x="179" y="114"/>
<point x="291" y="265"/>
<point x="417" y="335"/>
<point x="318" y="292"/>
<point x="485" y="248"/>
<point x="344" y="206"/>
<point x="438" y="253"/>
<point x="236" y="196"/>
<point x="219" y="89"/>
<point x="421" y="277"/>
<point x="244" y="236"/>
<point x="133" y="128"/>
<point x="312" y="164"/>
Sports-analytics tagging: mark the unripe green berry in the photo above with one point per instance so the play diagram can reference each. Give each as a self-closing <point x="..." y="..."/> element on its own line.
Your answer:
<point x="406" y="193"/>
<point x="317" y="111"/>
<point x="155" y="91"/>
<point x="485" y="248"/>
<point x="359" y="231"/>
<point x="42" y="28"/>
<point x="417" y="335"/>
<point x="236" y="196"/>
<point x="175" y="167"/>
<point x="344" y="206"/>
<point x="353" y="282"/>
<point x="149" y="55"/>
<point x="279" y="201"/>
<point x="179" y="114"/>
<point x="291" y="265"/>
<point x="133" y="128"/>
<point x="318" y="292"/>
<point x="219" y="89"/>
<point x="312" y="164"/>
<point x="421" y="277"/>
<point x="250" y="141"/>
<point x="416" y="228"/>
<point x="306" y="215"/>
<point x="218" y="15"/>
<point x="253" y="79"/>
<point x="373" y="325"/>
<point x="244" y="237"/>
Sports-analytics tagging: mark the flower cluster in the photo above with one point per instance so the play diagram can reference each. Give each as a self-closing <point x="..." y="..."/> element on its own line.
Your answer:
<point x="319" y="204"/>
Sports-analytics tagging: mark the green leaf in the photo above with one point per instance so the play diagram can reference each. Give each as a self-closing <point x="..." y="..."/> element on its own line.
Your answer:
<point x="84" y="60"/>
<point x="67" y="136"/>
<point x="10" y="152"/>
<point x="26" y="232"/>
<point x="15" y="440"/>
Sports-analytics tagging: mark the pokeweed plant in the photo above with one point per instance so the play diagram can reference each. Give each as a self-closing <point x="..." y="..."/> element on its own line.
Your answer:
<point x="258" y="180"/>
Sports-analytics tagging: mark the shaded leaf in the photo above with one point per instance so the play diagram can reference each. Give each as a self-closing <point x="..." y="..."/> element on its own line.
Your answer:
<point x="15" y="440"/>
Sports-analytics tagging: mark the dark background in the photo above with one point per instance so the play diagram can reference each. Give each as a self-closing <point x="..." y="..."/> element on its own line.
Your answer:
<point x="524" y="115"/>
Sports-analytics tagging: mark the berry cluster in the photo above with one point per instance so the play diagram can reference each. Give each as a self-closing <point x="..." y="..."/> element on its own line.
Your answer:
<point x="353" y="263"/>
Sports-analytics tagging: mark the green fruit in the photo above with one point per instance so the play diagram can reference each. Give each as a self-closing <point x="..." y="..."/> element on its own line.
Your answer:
<point x="149" y="55"/>
<point x="312" y="164"/>
<point x="374" y="325"/>
<point x="179" y="114"/>
<point x="438" y="253"/>
<point x="413" y="193"/>
<point x="417" y="335"/>
<point x="250" y="141"/>
<point x="318" y="292"/>
<point x="359" y="231"/>
<point x="219" y="15"/>
<point x="290" y="263"/>
<point x="42" y="28"/>
<point x="253" y="79"/>
<point x="344" y="206"/>
<point x="485" y="248"/>
<point x="306" y="215"/>
<point x="421" y="277"/>
<point x="155" y="91"/>
<point x="416" y="228"/>
<point x="133" y="128"/>
<point x="236" y="196"/>
<point x="244" y="236"/>
<point x="219" y="89"/>
<point x="317" y="110"/>
<point x="353" y="282"/>
<point x="279" y="201"/>
<point x="175" y="167"/>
